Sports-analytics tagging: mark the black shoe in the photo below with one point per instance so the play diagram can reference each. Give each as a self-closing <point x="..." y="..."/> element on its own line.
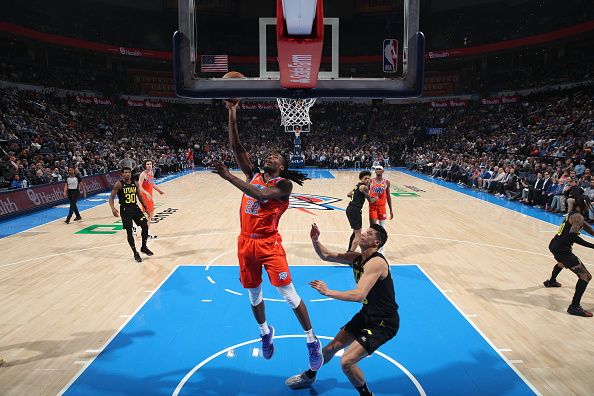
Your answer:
<point x="578" y="311"/>
<point x="146" y="251"/>
<point x="550" y="283"/>
<point x="137" y="257"/>
<point x="67" y="221"/>
<point x="77" y="218"/>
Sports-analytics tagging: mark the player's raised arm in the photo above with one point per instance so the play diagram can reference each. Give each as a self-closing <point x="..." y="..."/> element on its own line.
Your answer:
<point x="241" y="155"/>
<point x="326" y="254"/>
<point x="281" y="190"/>
<point x="373" y="271"/>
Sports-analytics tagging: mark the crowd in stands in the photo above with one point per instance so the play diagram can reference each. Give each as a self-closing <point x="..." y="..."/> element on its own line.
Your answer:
<point x="41" y="135"/>
<point x="538" y="152"/>
<point x="501" y="149"/>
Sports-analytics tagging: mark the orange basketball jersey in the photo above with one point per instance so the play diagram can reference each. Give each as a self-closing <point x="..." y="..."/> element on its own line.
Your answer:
<point x="378" y="189"/>
<point x="148" y="182"/>
<point x="260" y="218"/>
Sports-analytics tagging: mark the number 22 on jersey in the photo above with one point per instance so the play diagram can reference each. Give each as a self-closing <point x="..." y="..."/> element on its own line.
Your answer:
<point x="252" y="207"/>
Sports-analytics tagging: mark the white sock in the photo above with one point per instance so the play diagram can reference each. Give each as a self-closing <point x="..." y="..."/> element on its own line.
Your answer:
<point x="264" y="328"/>
<point x="310" y="335"/>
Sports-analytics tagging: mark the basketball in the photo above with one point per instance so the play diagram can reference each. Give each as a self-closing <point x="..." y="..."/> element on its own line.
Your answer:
<point x="233" y="74"/>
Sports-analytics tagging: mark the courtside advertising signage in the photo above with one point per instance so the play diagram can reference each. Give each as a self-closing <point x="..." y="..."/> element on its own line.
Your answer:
<point x="25" y="199"/>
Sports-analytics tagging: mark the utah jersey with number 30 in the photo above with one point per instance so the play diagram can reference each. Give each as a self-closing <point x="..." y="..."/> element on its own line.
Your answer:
<point x="260" y="218"/>
<point x="127" y="194"/>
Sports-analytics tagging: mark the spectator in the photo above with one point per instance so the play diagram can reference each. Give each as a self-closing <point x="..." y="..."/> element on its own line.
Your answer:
<point x="16" y="183"/>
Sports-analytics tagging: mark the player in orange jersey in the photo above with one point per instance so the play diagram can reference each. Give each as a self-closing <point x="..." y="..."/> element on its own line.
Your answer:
<point x="380" y="189"/>
<point x="146" y="182"/>
<point x="265" y="199"/>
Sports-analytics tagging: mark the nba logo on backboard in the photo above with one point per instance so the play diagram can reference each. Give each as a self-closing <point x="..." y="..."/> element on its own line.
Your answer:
<point x="390" y="55"/>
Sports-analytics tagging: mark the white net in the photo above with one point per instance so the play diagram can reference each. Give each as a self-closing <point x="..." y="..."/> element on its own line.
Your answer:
<point x="295" y="113"/>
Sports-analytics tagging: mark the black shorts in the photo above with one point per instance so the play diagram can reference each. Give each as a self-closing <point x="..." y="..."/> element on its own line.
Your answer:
<point x="131" y="214"/>
<point x="564" y="256"/>
<point x="372" y="334"/>
<point x="355" y="217"/>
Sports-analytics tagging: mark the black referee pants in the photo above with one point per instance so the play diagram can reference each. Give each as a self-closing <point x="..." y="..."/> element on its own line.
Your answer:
<point x="73" y="196"/>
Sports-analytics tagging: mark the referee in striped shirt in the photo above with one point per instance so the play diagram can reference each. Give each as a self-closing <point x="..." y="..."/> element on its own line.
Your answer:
<point x="72" y="189"/>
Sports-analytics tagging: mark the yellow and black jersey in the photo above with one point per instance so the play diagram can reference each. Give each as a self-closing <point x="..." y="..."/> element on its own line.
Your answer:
<point x="128" y="194"/>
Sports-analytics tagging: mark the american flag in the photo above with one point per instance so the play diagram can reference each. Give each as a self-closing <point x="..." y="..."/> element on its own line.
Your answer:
<point x="214" y="63"/>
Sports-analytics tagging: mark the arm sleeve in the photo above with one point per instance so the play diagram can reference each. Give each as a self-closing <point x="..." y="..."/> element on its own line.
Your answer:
<point x="577" y="239"/>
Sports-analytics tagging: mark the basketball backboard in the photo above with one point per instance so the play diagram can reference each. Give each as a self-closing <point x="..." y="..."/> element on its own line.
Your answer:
<point x="358" y="38"/>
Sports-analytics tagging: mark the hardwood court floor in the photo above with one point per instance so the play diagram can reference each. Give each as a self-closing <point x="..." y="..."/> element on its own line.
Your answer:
<point x="65" y="294"/>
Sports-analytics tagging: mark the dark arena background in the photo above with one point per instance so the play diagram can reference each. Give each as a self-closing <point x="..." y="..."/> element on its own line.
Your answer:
<point x="475" y="119"/>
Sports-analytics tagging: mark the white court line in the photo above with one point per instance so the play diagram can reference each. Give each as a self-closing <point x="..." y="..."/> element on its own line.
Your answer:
<point x="233" y="292"/>
<point x="509" y="363"/>
<point x="482" y="200"/>
<point x="85" y="209"/>
<point x="321" y="299"/>
<point x="285" y="231"/>
<point x="88" y="363"/>
<point x="256" y="351"/>
<point x="206" y="300"/>
<point x="210" y="263"/>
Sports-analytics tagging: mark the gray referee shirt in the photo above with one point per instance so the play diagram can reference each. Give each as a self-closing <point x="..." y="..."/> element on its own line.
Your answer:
<point x="73" y="182"/>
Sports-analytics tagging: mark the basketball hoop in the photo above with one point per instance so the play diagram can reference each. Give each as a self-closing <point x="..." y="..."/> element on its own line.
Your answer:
<point x="295" y="114"/>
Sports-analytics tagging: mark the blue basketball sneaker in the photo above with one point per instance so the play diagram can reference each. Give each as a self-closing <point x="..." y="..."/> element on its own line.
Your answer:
<point x="267" y="345"/>
<point x="316" y="359"/>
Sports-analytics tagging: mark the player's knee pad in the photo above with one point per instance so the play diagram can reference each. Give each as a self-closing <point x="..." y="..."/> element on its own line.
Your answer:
<point x="255" y="295"/>
<point x="290" y="295"/>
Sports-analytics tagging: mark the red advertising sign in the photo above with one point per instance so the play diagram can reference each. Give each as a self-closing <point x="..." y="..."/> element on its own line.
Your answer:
<point x="500" y="100"/>
<point x="510" y="99"/>
<point x="508" y="44"/>
<point x="135" y="103"/>
<point x="154" y="104"/>
<point x="94" y="100"/>
<point x="449" y="103"/>
<point x="77" y="43"/>
<point x="257" y="106"/>
<point x="25" y="199"/>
